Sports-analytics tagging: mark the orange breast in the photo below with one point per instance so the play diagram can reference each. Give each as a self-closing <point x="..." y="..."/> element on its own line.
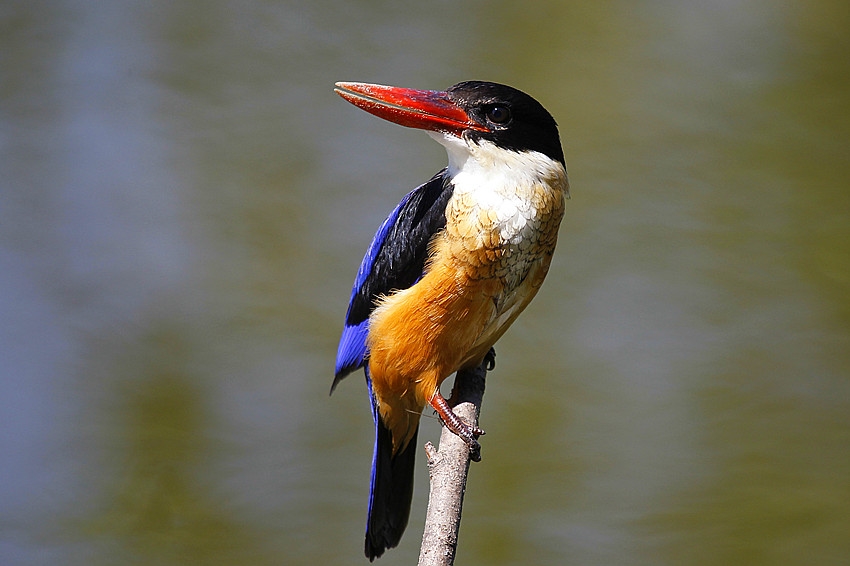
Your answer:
<point x="419" y="336"/>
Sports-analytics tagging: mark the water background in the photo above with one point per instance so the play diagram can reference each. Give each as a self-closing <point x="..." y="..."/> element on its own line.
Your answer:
<point x="184" y="203"/>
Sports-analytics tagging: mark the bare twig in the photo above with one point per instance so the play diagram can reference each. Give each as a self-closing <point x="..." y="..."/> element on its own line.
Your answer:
<point x="448" y="468"/>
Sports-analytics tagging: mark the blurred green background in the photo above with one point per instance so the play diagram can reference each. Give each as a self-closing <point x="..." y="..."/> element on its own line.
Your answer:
<point x="184" y="203"/>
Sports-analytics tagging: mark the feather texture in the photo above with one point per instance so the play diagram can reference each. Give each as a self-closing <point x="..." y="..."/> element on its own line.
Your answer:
<point x="395" y="260"/>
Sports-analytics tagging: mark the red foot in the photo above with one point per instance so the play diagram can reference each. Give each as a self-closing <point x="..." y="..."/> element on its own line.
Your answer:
<point x="454" y="423"/>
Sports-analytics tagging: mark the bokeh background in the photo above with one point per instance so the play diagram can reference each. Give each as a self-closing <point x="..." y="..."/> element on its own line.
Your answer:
<point x="184" y="203"/>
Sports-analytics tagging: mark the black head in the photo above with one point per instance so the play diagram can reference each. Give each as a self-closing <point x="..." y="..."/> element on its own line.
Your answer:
<point x="512" y="119"/>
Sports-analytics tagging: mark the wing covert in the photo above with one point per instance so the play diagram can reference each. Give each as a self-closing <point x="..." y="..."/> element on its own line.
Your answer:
<point x="395" y="260"/>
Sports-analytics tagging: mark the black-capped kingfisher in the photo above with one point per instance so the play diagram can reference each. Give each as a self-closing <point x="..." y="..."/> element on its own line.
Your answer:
<point x="450" y="269"/>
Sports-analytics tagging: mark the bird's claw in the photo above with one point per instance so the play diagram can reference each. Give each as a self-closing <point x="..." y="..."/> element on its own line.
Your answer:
<point x="490" y="359"/>
<point x="474" y="450"/>
<point x="465" y="431"/>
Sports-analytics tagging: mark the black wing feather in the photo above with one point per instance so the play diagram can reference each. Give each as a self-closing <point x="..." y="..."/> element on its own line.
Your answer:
<point x="401" y="260"/>
<point x="395" y="260"/>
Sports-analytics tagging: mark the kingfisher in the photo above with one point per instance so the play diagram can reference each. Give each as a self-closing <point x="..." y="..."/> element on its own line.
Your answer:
<point x="450" y="268"/>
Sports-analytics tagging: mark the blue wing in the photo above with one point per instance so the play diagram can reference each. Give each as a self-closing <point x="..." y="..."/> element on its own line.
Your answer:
<point x="352" y="344"/>
<point x="395" y="260"/>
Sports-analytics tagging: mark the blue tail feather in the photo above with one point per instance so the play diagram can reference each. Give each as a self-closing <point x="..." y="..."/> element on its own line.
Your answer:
<point x="391" y="491"/>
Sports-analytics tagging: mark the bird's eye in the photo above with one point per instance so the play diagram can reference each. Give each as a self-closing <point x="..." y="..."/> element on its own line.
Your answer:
<point x="499" y="114"/>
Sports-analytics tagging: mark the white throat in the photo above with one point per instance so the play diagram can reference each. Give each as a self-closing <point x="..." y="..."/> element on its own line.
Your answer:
<point x="483" y="166"/>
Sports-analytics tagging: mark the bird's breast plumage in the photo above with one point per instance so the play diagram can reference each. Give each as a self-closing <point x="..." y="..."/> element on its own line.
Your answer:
<point x="502" y="220"/>
<point x="500" y="233"/>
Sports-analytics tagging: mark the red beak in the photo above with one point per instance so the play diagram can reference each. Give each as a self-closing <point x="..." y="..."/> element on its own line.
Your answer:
<point x="425" y="109"/>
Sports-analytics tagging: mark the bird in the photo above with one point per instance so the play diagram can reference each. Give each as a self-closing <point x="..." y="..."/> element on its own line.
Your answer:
<point x="450" y="268"/>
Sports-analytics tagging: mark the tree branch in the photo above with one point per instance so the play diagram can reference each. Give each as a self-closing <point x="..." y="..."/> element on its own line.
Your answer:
<point x="448" y="468"/>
